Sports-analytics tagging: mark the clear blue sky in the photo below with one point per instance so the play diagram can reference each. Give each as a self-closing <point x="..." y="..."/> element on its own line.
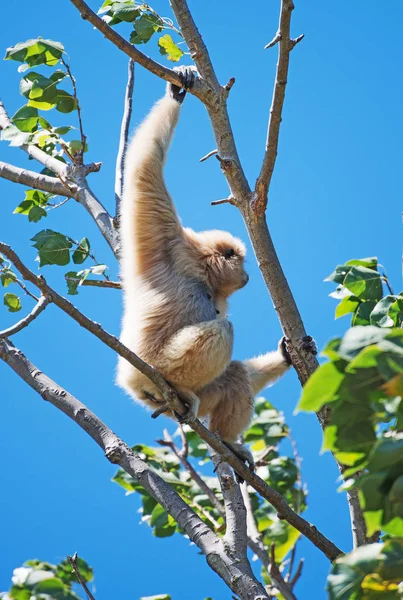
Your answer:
<point x="335" y="195"/>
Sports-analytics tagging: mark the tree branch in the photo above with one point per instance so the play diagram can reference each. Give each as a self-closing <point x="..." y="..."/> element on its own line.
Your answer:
<point x="239" y="579"/>
<point x="35" y="312"/>
<point x="37" y="181"/>
<point x="124" y="135"/>
<point x="73" y="562"/>
<point x="168" y="441"/>
<point x="131" y="51"/>
<point x="285" y="45"/>
<point x="170" y="396"/>
<point x="76" y="175"/>
<point x="114" y="285"/>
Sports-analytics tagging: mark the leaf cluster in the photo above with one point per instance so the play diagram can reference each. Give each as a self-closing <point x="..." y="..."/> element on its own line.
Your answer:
<point x="145" y="22"/>
<point x="37" y="579"/>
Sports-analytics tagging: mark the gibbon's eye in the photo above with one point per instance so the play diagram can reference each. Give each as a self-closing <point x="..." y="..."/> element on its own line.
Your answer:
<point x="229" y="253"/>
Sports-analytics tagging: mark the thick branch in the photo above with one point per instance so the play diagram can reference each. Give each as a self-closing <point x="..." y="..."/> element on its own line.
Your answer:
<point x="170" y="396"/>
<point x="124" y="135"/>
<point x="196" y="45"/>
<point x="37" y="181"/>
<point x="240" y="581"/>
<point x="285" y="45"/>
<point x="35" y="312"/>
<point x="131" y="51"/>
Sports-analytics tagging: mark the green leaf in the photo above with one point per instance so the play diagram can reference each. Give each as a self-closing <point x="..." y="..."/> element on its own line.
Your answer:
<point x="159" y="517"/>
<point x="348" y="572"/>
<point x="362" y="315"/>
<point x="36" y="213"/>
<point x="159" y="597"/>
<point x="144" y="28"/>
<point x="125" y="11"/>
<point x="168" y="47"/>
<point x="379" y="315"/>
<point x="82" y="252"/>
<point x="26" y="119"/>
<point x="72" y="280"/>
<point x="321" y="388"/>
<point x="12" y="302"/>
<point x="7" y="277"/>
<point x="66" y="103"/>
<point x="346" y="306"/>
<point x="339" y="274"/>
<point x="358" y="338"/>
<point x="53" y="248"/>
<point x="36" y="52"/>
<point x="369" y="263"/>
<point x="364" y="283"/>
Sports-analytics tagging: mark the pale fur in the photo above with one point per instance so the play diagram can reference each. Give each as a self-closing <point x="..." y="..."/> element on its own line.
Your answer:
<point x="174" y="279"/>
<point x="176" y="284"/>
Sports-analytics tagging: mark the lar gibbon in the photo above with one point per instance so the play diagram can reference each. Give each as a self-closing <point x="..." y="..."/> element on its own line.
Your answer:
<point x="176" y="285"/>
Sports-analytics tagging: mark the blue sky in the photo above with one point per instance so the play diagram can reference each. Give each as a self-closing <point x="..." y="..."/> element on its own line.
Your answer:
<point x="335" y="195"/>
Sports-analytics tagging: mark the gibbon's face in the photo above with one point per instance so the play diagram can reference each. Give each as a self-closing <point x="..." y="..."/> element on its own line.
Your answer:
<point x="224" y="256"/>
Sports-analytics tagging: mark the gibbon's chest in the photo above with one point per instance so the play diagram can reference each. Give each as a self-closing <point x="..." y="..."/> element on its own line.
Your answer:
<point x="198" y="303"/>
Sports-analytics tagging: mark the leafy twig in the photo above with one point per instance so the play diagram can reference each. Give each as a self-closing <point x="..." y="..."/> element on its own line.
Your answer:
<point x="83" y="137"/>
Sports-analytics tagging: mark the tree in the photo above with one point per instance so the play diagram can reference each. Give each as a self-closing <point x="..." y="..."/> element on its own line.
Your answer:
<point x="356" y="394"/>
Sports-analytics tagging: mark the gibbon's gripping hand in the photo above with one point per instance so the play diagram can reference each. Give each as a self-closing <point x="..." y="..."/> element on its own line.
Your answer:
<point x="187" y="75"/>
<point x="308" y="344"/>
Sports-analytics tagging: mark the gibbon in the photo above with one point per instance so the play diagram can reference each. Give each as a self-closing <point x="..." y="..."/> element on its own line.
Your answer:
<point x="176" y="284"/>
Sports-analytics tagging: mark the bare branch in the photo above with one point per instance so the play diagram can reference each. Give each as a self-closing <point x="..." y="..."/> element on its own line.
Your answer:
<point x="277" y="578"/>
<point x="285" y="46"/>
<point x="168" y="441"/>
<point x="207" y="156"/>
<point x="80" y="154"/>
<point x="229" y="200"/>
<point x="131" y="51"/>
<point x="170" y="396"/>
<point x="238" y="577"/>
<point x="73" y="562"/>
<point x="37" y="181"/>
<point x="35" y="312"/>
<point x="124" y="135"/>
<point x="114" y="285"/>
<point x="255" y="540"/>
<point x="196" y="45"/>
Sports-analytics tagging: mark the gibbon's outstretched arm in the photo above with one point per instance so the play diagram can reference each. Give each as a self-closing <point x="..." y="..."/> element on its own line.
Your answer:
<point x="149" y="221"/>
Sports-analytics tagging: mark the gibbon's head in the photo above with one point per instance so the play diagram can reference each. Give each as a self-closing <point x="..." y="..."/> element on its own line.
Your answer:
<point x="223" y="261"/>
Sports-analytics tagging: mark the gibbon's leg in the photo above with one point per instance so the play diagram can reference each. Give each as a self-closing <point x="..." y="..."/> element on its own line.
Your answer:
<point x="193" y="357"/>
<point x="269" y="367"/>
<point x="148" y="217"/>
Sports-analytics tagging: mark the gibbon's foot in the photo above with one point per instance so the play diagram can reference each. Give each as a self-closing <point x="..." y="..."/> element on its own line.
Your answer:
<point x="244" y="454"/>
<point x="187" y="76"/>
<point x="192" y="404"/>
<point x="308" y="344"/>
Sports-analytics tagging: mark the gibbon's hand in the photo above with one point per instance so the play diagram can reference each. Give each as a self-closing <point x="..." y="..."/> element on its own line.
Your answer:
<point x="308" y="344"/>
<point x="187" y="75"/>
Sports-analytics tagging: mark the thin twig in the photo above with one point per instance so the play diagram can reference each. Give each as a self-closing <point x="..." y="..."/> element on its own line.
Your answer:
<point x="285" y="46"/>
<point x="229" y="200"/>
<point x="168" y="441"/>
<point x="73" y="562"/>
<point x="26" y="290"/>
<point x="114" y="285"/>
<point x="124" y="135"/>
<point x="208" y="155"/>
<point x="35" y="312"/>
<point x="277" y="578"/>
<point x="83" y="137"/>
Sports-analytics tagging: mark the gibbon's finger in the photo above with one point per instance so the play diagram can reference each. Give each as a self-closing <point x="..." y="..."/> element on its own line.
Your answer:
<point x="282" y="346"/>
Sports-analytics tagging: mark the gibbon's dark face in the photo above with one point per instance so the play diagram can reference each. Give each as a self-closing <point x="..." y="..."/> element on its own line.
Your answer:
<point x="225" y="262"/>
